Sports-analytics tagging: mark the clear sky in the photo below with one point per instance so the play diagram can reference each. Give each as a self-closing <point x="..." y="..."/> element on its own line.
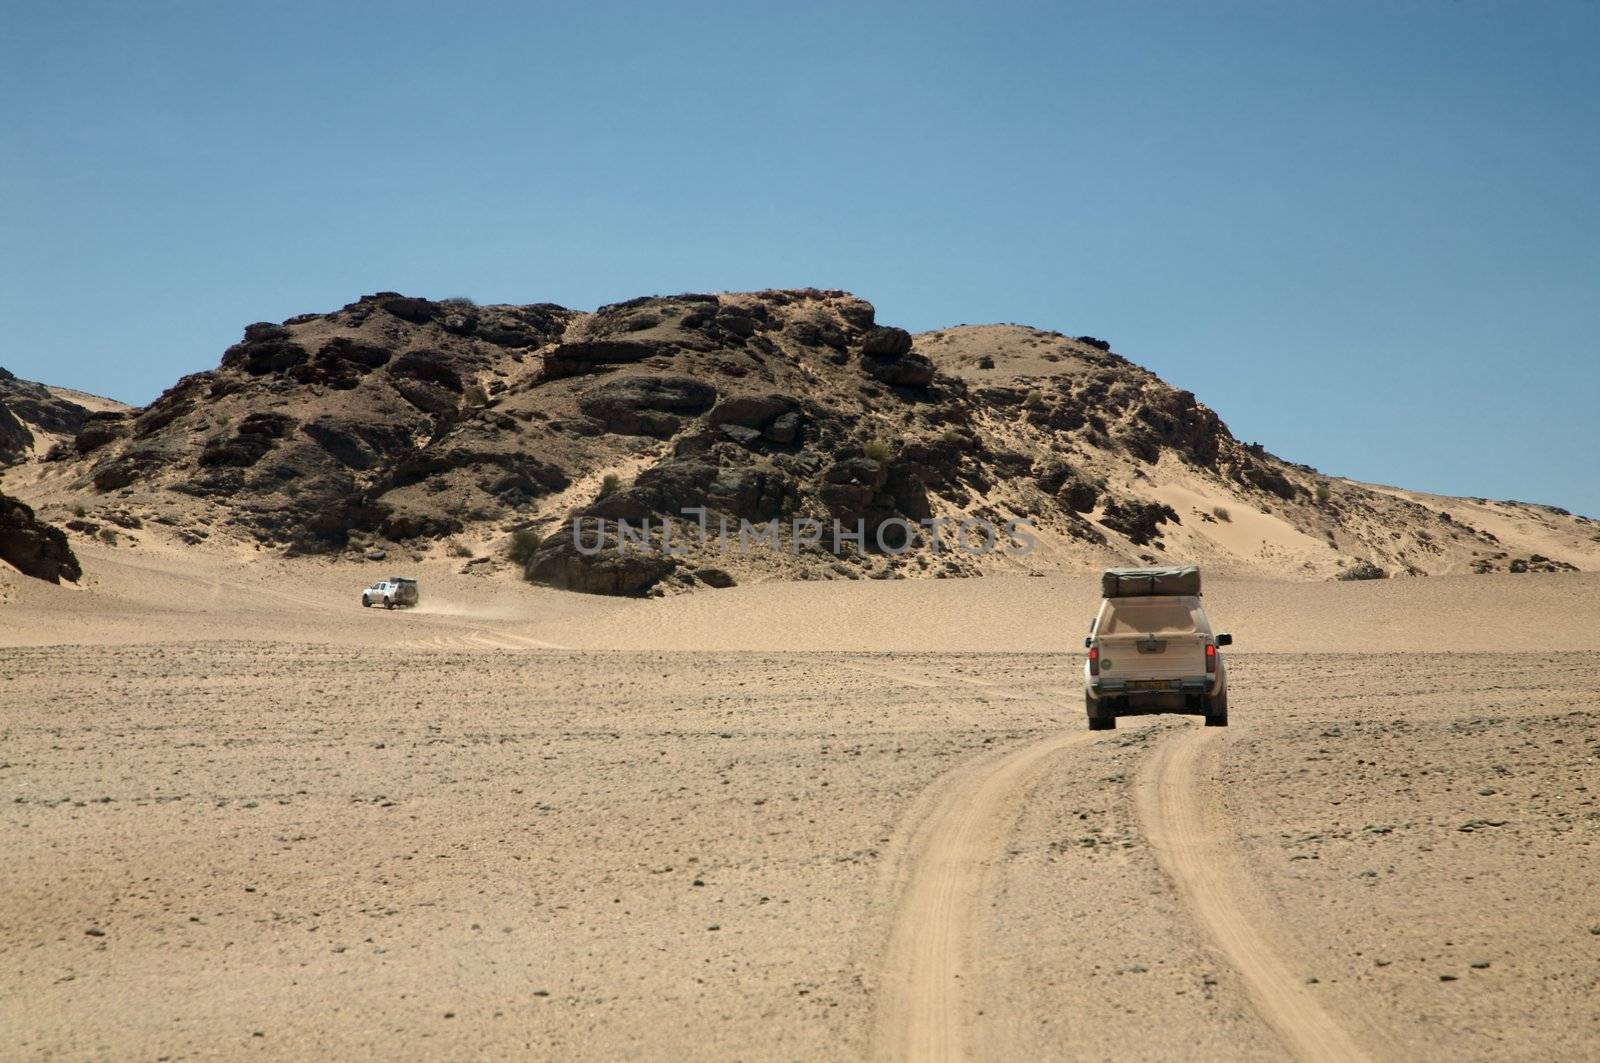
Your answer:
<point x="1366" y="233"/>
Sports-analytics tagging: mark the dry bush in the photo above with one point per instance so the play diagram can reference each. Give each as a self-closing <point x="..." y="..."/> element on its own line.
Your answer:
<point x="523" y="545"/>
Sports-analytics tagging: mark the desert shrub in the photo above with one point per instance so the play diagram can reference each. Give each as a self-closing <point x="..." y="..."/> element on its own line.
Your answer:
<point x="524" y="543"/>
<point x="476" y="396"/>
<point x="459" y="302"/>
<point x="953" y="437"/>
<point x="610" y="484"/>
<point x="1222" y="514"/>
<point x="877" y="450"/>
<point x="108" y="536"/>
<point x="1034" y="399"/>
<point x="79" y="511"/>
<point x="457" y="548"/>
<point x="1323" y="492"/>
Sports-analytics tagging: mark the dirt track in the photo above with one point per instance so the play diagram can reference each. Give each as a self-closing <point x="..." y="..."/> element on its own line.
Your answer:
<point x="957" y="830"/>
<point x="1182" y="824"/>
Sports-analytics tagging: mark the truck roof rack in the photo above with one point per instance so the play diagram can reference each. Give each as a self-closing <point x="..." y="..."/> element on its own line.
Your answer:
<point x="1144" y="582"/>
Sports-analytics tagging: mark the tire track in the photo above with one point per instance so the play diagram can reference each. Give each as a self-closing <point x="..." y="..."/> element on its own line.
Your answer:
<point x="941" y="860"/>
<point x="1178" y="817"/>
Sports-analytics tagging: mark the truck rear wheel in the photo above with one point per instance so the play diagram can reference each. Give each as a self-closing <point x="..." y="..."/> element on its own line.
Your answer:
<point x="1217" y="711"/>
<point x="1098" y="723"/>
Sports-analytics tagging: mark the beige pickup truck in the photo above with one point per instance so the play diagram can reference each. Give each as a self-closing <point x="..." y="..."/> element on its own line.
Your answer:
<point x="1151" y="650"/>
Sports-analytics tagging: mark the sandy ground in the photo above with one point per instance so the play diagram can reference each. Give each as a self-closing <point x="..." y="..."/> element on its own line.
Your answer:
<point x="244" y="817"/>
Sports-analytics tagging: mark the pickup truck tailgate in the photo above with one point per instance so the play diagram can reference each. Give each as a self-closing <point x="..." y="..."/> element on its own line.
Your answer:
<point x="1167" y="656"/>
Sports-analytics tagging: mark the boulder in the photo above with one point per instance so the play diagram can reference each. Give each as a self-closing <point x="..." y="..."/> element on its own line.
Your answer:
<point x="784" y="428"/>
<point x="715" y="577"/>
<point x="576" y="359"/>
<point x="1139" y="521"/>
<point x="416" y="311"/>
<point x="508" y="334"/>
<point x="265" y="349"/>
<point x="342" y="349"/>
<point x="647" y="405"/>
<point x="255" y="436"/>
<point x="738" y="321"/>
<point x="33" y="547"/>
<point x="745" y="437"/>
<point x="886" y="343"/>
<point x="857" y="313"/>
<point x="906" y="371"/>
<point x="428" y="367"/>
<point x="753" y="411"/>
<point x="755" y="493"/>
<point x="123" y="469"/>
<point x="662" y="490"/>
<point x="428" y="398"/>
<point x="557" y="562"/>
<point x="1363" y="570"/>
<point x="850" y="486"/>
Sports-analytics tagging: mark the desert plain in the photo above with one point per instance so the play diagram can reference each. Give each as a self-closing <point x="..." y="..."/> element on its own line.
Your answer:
<point x="245" y="818"/>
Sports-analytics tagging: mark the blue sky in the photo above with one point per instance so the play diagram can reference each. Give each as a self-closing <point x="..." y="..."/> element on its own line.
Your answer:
<point x="1367" y="234"/>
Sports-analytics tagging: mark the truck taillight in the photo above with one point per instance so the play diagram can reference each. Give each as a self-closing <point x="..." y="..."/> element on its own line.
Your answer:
<point x="1211" y="658"/>
<point x="1094" y="660"/>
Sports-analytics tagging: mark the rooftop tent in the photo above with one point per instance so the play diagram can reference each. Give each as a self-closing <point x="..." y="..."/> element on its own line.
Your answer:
<point x="1140" y="582"/>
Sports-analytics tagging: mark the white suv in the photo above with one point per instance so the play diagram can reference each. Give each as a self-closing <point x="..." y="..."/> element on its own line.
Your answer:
<point x="396" y="590"/>
<point x="1151" y="650"/>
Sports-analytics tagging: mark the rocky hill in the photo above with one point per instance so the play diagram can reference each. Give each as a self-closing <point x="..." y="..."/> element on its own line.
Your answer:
<point x="403" y="426"/>
<point x="34" y="417"/>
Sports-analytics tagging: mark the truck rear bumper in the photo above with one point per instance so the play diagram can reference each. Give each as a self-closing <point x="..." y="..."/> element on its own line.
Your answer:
<point x="1121" y="697"/>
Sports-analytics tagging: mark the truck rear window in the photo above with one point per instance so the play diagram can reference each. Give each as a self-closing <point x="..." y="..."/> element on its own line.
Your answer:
<point x="1147" y="616"/>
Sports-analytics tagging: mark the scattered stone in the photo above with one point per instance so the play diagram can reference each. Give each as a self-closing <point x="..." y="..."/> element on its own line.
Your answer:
<point x="714" y="577"/>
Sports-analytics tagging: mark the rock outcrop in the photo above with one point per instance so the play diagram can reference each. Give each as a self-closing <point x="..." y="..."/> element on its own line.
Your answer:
<point x="33" y="547"/>
<point x="28" y="410"/>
